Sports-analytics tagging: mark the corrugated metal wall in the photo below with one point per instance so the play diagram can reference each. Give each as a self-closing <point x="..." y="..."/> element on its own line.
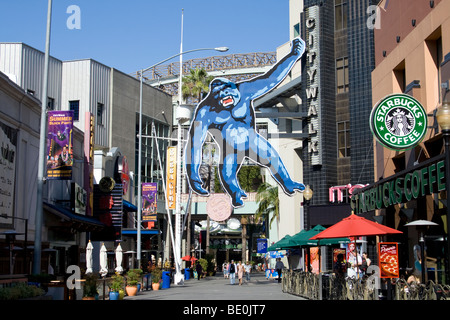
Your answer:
<point x="88" y="82"/>
<point x="25" y="65"/>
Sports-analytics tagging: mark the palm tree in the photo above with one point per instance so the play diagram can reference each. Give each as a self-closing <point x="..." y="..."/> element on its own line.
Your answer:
<point x="268" y="202"/>
<point x="196" y="84"/>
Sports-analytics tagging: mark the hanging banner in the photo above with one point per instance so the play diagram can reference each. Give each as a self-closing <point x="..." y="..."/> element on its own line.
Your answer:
<point x="171" y="177"/>
<point x="60" y="145"/>
<point x="262" y="245"/>
<point x="388" y="261"/>
<point x="149" y="201"/>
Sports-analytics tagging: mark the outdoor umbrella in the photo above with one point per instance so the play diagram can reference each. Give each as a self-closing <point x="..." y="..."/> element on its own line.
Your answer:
<point x="119" y="257"/>
<point x="354" y="226"/>
<point x="281" y="244"/>
<point x="103" y="261"/>
<point x="187" y="258"/>
<point x="302" y="238"/>
<point x="89" y="249"/>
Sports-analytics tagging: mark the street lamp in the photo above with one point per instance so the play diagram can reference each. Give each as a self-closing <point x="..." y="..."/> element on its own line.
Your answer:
<point x="307" y="195"/>
<point x="443" y="119"/>
<point x="177" y="254"/>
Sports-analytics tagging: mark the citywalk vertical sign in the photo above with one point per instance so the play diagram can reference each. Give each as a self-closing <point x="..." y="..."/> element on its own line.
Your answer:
<point x="171" y="177"/>
<point x="60" y="145"/>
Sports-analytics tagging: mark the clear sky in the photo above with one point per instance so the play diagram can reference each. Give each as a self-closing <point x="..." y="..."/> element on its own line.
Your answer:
<point x="135" y="34"/>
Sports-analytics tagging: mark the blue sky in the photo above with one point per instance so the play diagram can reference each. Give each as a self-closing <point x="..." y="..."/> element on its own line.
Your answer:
<point x="135" y="34"/>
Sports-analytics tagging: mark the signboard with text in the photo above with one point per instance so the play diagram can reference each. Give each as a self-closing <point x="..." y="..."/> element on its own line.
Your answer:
<point x="388" y="259"/>
<point x="171" y="177"/>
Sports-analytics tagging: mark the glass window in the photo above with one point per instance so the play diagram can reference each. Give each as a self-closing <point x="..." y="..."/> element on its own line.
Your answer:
<point x="100" y="114"/>
<point x="74" y="106"/>
<point x="340" y="14"/>
<point x="342" y="75"/>
<point x="343" y="139"/>
<point x="50" y="103"/>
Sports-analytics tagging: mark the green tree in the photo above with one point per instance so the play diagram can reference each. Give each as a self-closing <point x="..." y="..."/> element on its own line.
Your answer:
<point x="196" y="84"/>
<point x="268" y="202"/>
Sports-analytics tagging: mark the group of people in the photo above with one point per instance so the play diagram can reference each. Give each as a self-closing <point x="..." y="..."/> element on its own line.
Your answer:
<point x="356" y="265"/>
<point x="230" y="269"/>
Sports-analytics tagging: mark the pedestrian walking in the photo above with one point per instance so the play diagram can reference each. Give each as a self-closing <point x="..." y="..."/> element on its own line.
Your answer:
<point x="248" y="269"/>
<point x="279" y="266"/>
<point x="225" y="269"/>
<point x="232" y="272"/>
<point x="199" y="270"/>
<point x="240" y="271"/>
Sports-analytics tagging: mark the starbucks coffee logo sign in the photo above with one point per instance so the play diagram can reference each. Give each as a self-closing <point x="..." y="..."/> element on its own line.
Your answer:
<point x="398" y="122"/>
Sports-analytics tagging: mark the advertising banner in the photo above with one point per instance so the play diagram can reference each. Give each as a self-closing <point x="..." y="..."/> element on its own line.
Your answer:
<point x="171" y="177"/>
<point x="388" y="261"/>
<point x="149" y="201"/>
<point x="60" y="145"/>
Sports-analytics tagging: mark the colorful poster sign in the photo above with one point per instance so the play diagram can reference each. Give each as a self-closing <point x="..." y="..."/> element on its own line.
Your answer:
<point x="399" y="122"/>
<point x="60" y="145"/>
<point x="388" y="259"/>
<point x="171" y="177"/>
<point x="149" y="201"/>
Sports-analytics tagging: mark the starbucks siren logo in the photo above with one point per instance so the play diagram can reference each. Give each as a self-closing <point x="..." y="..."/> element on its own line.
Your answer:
<point x="398" y="122"/>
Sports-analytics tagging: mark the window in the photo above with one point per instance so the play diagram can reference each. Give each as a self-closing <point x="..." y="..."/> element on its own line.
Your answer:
<point x="262" y="129"/>
<point x="340" y="15"/>
<point x="29" y="91"/>
<point x="74" y="106"/>
<point x="342" y="75"/>
<point x="100" y="114"/>
<point x="50" y="103"/>
<point x="343" y="139"/>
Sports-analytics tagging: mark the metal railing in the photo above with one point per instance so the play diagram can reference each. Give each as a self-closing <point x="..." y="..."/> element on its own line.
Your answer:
<point x="329" y="287"/>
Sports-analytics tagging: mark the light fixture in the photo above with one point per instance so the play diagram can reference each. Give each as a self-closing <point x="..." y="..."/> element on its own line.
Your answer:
<point x="308" y="193"/>
<point x="431" y="4"/>
<point x="384" y="53"/>
<point x="443" y="116"/>
<point x="413" y="22"/>
<point x="398" y="39"/>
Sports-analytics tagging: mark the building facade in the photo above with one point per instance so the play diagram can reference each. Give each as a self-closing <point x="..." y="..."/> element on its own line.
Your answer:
<point x="412" y="54"/>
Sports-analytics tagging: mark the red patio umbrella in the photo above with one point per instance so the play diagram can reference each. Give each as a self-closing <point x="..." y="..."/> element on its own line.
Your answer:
<point x="355" y="226"/>
<point x="186" y="258"/>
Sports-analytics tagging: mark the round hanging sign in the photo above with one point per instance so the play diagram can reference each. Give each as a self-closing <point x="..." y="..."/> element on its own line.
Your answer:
<point x="398" y="122"/>
<point x="218" y="207"/>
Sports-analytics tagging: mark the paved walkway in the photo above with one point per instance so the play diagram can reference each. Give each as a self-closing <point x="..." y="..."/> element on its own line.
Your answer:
<point x="219" y="288"/>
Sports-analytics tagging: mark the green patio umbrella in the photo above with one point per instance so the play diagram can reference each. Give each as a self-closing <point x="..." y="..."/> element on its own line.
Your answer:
<point x="302" y="239"/>
<point x="282" y="244"/>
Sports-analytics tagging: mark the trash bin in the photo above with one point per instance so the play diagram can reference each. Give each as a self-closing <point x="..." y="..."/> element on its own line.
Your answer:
<point x="166" y="279"/>
<point x="187" y="274"/>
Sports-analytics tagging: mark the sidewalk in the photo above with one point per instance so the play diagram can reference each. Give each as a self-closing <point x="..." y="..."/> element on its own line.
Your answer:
<point x="219" y="288"/>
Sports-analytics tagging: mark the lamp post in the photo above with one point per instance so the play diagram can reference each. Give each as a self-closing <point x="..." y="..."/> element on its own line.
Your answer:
<point x="307" y="195"/>
<point x="177" y="254"/>
<point x="443" y="119"/>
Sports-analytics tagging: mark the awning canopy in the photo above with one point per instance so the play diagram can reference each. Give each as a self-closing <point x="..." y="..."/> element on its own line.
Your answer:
<point x="143" y="231"/>
<point x="76" y="221"/>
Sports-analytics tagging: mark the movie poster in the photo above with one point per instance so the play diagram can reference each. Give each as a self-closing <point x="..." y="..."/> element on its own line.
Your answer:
<point x="149" y="201"/>
<point x="60" y="145"/>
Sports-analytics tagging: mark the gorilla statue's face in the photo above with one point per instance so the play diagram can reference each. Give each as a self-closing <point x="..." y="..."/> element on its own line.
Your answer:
<point x="225" y="92"/>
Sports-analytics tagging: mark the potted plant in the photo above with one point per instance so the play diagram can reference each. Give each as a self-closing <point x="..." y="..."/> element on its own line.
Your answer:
<point x="132" y="281"/>
<point x="139" y="273"/>
<point x="115" y="286"/>
<point x="90" y="287"/>
<point x="156" y="278"/>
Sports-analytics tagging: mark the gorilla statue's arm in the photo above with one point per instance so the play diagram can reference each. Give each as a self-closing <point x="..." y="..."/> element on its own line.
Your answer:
<point x="260" y="85"/>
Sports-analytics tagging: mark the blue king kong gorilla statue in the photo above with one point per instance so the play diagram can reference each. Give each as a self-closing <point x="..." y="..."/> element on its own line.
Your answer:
<point x="227" y="114"/>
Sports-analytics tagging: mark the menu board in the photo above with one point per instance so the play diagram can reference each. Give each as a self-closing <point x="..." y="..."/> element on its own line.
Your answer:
<point x="388" y="259"/>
